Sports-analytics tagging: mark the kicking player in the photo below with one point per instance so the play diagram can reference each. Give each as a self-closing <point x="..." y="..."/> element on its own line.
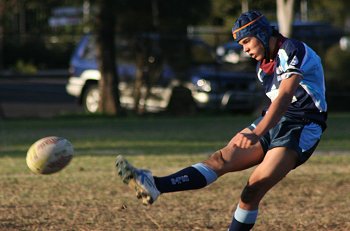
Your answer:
<point x="283" y="138"/>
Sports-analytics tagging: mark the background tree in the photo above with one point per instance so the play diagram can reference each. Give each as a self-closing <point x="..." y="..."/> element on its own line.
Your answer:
<point x="53" y="48"/>
<point x="285" y="16"/>
<point x="133" y="16"/>
<point x="108" y="85"/>
<point x="2" y="5"/>
<point x="146" y="22"/>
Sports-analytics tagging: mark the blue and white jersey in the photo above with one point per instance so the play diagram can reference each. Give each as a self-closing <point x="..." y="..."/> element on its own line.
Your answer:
<point x="295" y="57"/>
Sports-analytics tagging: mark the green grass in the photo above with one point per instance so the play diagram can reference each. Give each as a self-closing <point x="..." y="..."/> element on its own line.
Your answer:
<point x="87" y="195"/>
<point x="100" y="135"/>
<point x="150" y="135"/>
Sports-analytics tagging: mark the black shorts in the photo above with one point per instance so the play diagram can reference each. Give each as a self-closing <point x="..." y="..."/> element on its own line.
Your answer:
<point x="300" y="136"/>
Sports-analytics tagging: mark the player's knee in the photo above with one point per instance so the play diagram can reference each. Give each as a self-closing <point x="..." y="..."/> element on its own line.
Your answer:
<point x="217" y="156"/>
<point x="216" y="160"/>
<point x="250" y="193"/>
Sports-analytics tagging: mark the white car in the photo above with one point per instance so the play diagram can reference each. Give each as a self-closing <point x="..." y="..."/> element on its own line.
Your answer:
<point x="187" y="77"/>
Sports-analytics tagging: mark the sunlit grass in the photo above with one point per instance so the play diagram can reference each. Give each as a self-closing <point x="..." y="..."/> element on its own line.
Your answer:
<point x="88" y="195"/>
<point x="148" y="135"/>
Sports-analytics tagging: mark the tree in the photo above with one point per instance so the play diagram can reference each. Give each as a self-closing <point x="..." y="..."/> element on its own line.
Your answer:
<point x="108" y="85"/>
<point x="285" y="15"/>
<point x="133" y="19"/>
<point x="1" y="33"/>
<point x="147" y="19"/>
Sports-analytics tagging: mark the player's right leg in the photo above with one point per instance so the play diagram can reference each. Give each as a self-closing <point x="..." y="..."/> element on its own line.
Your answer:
<point x="140" y="180"/>
<point x="227" y="159"/>
<point x="232" y="159"/>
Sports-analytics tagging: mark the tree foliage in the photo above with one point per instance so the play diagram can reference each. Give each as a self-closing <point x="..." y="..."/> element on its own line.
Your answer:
<point x="137" y="15"/>
<point x="335" y="12"/>
<point x="29" y="18"/>
<point x="150" y="15"/>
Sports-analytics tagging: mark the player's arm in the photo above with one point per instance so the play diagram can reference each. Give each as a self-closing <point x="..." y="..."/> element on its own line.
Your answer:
<point x="276" y="110"/>
<point x="279" y="106"/>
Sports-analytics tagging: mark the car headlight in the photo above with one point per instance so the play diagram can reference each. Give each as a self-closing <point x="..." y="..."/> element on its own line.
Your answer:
<point x="220" y="51"/>
<point x="202" y="85"/>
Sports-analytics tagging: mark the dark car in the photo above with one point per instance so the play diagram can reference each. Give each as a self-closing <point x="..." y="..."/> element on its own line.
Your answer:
<point x="176" y="71"/>
<point x="318" y="35"/>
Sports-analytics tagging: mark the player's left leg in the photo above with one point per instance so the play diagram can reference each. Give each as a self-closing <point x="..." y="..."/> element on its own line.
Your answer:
<point x="276" y="165"/>
<point x="294" y="143"/>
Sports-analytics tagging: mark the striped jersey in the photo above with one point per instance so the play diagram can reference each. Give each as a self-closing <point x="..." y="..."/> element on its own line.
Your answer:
<point x="295" y="57"/>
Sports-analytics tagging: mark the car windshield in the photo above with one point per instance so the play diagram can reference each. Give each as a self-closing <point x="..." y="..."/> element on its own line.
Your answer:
<point x="176" y="51"/>
<point x="186" y="52"/>
<point x="88" y="52"/>
<point x="201" y="54"/>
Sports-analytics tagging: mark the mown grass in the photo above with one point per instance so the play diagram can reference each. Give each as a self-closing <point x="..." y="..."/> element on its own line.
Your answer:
<point x="87" y="195"/>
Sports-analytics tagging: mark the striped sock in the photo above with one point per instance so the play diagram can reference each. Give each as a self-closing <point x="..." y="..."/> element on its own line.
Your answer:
<point x="193" y="177"/>
<point x="243" y="220"/>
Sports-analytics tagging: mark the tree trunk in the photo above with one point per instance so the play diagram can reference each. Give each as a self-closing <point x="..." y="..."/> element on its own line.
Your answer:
<point x="108" y="85"/>
<point x="2" y="5"/>
<point x="140" y="60"/>
<point x="149" y="64"/>
<point x="285" y="14"/>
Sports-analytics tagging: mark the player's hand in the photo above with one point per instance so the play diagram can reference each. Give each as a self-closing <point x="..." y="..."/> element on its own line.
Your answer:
<point x="244" y="139"/>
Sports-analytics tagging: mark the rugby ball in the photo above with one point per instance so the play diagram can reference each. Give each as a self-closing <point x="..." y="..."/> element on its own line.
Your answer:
<point x="49" y="155"/>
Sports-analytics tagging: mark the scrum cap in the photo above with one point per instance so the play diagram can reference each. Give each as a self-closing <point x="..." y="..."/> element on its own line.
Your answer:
<point x="253" y="23"/>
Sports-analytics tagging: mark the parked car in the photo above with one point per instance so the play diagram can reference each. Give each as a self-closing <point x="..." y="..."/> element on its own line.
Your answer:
<point x="187" y="76"/>
<point x="318" y="35"/>
<point x="232" y="52"/>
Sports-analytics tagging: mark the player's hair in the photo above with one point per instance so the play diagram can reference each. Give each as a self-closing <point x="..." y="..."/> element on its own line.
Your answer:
<point x="253" y="23"/>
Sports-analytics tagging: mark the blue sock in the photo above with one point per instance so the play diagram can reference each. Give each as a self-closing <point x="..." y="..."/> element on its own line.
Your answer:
<point x="194" y="177"/>
<point x="243" y="220"/>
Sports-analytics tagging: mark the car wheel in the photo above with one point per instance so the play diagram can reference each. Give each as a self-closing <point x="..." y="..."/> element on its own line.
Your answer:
<point x="181" y="102"/>
<point x="91" y="99"/>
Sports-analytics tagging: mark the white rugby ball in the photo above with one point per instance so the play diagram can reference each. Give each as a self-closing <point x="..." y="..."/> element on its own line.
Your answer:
<point x="49" y="155"/>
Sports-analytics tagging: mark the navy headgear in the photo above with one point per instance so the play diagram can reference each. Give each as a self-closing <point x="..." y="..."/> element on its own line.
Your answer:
<point x="253" y="23"/>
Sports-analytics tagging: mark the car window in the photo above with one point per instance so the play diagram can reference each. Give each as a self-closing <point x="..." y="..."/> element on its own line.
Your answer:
<point x="89" y="51"/>
<point x="124" y="50"/>
<point x="178" y="52"/>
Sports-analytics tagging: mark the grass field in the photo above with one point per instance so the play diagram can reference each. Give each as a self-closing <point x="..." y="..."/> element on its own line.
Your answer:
<point x="87" y="195"/>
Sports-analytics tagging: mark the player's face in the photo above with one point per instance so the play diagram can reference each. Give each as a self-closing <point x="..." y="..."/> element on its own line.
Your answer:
<point x="253" y="47"/>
